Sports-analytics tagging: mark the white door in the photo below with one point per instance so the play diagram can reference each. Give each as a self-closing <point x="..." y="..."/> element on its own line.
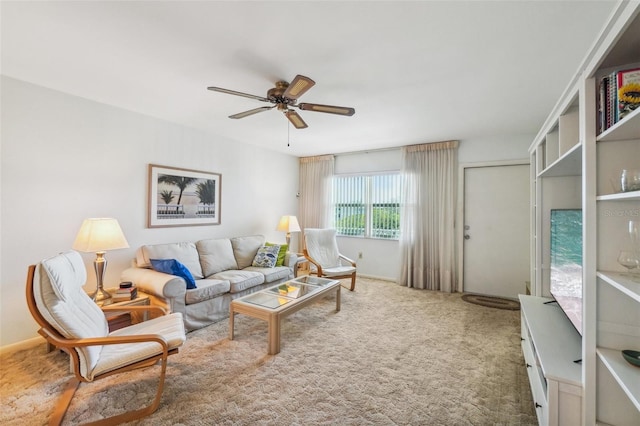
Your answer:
<point x="496" y="235"/>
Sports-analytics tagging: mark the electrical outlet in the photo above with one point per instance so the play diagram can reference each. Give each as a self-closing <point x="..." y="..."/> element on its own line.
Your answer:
<point x="359" y="255"/>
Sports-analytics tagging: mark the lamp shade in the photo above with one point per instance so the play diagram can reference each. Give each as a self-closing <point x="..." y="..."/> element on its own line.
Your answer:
<point x="288" y="224"/>
<point x="99" y="235"/>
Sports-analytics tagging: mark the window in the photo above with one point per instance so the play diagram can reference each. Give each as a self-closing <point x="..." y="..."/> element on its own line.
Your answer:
<point x="367" y="205"/>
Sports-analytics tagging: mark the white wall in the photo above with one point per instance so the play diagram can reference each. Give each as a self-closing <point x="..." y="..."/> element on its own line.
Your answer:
<point x="381" y="258"/>
<point x="65" y="159"/>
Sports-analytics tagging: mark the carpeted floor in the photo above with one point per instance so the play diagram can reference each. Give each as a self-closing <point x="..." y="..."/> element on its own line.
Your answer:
<point x="391" y="356"/>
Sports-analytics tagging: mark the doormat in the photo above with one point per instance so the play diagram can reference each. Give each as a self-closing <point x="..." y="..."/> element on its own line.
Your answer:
<point x="492" y="302"/>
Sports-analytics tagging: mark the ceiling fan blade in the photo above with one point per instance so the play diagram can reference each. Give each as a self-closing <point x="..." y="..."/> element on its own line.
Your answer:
<point x="233" y="92"/>
<point x="298" y="87"/>
<point x="327" y="108"/>
<point x="251" y="112"/>
<point x="295" y="119"/>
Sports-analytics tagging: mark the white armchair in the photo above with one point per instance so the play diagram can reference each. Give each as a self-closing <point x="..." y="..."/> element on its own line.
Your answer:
<point x="71" y="321"/>
<point x="321" y="249"/>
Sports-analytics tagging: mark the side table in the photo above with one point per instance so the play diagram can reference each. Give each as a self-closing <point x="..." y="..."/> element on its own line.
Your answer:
<point x="119" y="320"/>
<point x="302" y="266"/>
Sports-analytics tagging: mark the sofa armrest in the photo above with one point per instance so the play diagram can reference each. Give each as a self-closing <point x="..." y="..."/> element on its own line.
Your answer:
<point x="291" y="260"/>
<point x="159" y="284"/>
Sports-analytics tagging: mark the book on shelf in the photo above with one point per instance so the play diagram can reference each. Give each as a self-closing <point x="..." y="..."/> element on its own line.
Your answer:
<point x="618" y="94"/>
<point x="628" y="91"/>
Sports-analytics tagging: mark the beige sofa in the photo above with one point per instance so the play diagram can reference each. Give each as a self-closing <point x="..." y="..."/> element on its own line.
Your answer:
<point x="222" y="271"/>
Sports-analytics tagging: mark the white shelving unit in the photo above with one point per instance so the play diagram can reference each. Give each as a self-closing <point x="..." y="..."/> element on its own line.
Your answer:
<point x="576" y="168"/>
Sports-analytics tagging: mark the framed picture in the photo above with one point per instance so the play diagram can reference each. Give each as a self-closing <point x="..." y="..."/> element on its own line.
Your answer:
<point x="183" y="197"/>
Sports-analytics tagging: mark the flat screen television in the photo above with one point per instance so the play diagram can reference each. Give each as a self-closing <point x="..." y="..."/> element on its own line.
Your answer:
<point x="566" y="263"/>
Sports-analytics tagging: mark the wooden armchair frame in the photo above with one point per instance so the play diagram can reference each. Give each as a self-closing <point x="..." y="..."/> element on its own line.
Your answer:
<point x="56" y="339"/>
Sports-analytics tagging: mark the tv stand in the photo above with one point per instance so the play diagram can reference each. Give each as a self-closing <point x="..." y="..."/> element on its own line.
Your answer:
<point x="550" y="345"/>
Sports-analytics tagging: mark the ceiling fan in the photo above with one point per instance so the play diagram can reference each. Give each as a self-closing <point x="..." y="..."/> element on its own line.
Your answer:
<point x="284" y="97"/>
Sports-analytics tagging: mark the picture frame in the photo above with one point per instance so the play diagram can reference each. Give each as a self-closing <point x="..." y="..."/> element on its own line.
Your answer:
<point x="183" y="197"/>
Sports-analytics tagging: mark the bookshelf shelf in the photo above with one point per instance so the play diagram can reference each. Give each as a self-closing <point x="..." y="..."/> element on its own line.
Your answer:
<point x="570" y="164"/>
<point x="622" y="282"/>
<point x="631" y="196"/>
<point x="625" y="374"/>
<point x="626" y="129"/>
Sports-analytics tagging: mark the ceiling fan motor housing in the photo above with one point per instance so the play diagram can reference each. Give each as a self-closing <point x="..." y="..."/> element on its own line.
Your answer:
<point x="276" y="94"/>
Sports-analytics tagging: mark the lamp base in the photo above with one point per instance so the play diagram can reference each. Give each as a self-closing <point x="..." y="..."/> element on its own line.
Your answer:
<point x="100" y="295"/>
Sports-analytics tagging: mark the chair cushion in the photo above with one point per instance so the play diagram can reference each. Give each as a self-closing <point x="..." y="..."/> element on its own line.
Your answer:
<point x="170" y="327"/>
<point x="216" y="255"/>
<point x="173" y="267"/>
<point x="240" y="280"/>
<point x="322" y="246"/>
<point x="207" y="289"/>
<point x="245" y="249"/>
<point x="74" y="315"/>
<point x="184" y="253"/>
<point x="338" y="270"/>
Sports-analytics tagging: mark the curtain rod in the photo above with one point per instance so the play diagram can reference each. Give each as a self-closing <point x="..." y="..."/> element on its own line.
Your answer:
<point x="367" y="151"/>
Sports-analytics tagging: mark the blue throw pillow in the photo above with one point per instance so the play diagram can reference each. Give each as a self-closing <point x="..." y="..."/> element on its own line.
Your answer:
<point x="173" y="267"/>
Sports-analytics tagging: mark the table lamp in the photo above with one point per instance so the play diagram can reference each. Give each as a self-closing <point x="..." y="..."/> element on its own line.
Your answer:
<point x="288" y="224"/>
<point x="99" y="235"/>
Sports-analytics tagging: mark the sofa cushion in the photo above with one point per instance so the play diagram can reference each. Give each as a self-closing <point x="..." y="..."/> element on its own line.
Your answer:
<point x="184" y="253"/>
<point x="272" y="274"/>
<point x="173" y="267"/>
<point x="266" y="257"/>
<point x="216" y="255"/>
<point x="281" y="254"/>
<point x="240" y="280"/>
<point x="207" y="289"/>
<point x="245" y="249"/>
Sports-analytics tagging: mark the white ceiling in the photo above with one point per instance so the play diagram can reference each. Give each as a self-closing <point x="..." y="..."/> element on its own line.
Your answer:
<point x="415" y="72"/>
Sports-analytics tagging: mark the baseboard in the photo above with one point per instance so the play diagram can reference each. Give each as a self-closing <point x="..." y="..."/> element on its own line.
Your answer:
<point x="375" y="277"/>
<point x="23" y="344"/>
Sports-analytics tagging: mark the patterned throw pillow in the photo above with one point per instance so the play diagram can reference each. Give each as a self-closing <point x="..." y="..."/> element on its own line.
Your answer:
<point x="281" y="254"/>
<point x="266" y="257"/>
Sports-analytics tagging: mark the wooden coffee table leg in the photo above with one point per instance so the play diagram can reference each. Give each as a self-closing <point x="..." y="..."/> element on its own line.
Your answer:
<point x="338" y="298"/>
<point x="274" y="334"/>
<point x="231" y="315"/>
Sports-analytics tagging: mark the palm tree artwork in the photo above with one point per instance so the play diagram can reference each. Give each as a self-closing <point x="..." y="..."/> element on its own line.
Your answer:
<point x="167" y="196"/>
<point x="180" y="181"/>
<point x="206" y="191"/>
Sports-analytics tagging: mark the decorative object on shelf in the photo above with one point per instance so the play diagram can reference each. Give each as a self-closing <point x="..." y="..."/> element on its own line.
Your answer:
<point x="632" y="357"/>
<point x="629" y="260"/>
<point x="288" y="224"/>
<point x="99" y="235"/>
<point x="183" y="197"/>
<point x="630" y="180"/>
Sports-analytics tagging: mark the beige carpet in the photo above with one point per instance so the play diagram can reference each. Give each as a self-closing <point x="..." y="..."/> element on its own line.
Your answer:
<point x="391" y="356"/>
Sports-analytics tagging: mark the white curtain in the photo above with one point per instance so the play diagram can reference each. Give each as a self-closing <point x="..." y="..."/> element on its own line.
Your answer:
<point x="427" y="251"/>
<point x="316" y="174"/>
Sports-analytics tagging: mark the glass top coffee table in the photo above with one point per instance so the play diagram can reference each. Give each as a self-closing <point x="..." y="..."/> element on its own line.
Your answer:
<point x="274" y="303"/>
